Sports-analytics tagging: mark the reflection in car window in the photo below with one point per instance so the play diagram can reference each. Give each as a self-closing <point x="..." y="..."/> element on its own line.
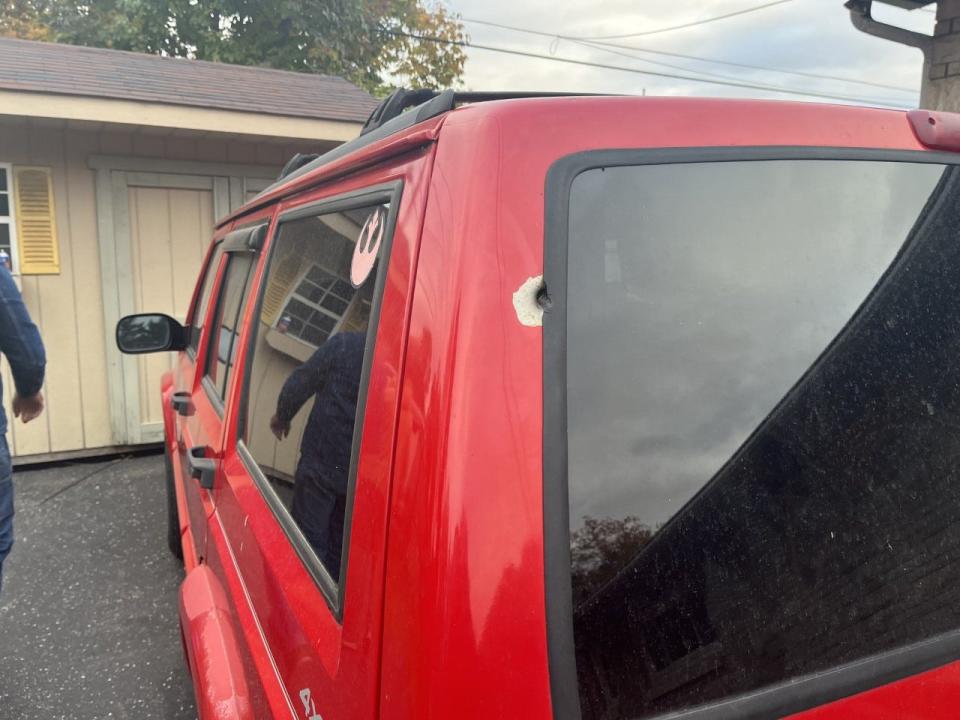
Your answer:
<point x="230" y="304"/>
<point x="763" y="361"/>
<point x="203" y="299"/>
<point x="305" y="375"/>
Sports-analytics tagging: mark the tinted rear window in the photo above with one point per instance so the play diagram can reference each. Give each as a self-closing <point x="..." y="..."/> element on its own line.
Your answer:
<point x="763" y="392"/>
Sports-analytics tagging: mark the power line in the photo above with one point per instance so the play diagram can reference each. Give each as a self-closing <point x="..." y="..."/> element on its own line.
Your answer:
<point x="632" y="53"/>
<point x="634" y="56"/>
<point x="697" y="58"/>
<point x="686" y="25"/>
<point x="621" y="68"/>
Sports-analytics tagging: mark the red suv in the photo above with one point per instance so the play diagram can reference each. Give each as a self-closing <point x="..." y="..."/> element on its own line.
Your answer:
<point x="578" y="407"/>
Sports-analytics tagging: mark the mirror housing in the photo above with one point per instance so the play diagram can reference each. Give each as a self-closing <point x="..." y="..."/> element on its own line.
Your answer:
<point x="150" y="333"/>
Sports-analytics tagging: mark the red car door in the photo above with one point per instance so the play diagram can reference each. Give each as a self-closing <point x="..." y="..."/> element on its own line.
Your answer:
<point x="181" y="398"/>
<point x="200" y="414"/>
<point x="304" y="498"/>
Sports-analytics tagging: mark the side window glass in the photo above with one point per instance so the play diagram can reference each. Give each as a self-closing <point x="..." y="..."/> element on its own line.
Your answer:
<point x="203" y="299"/>
<point x="305" y="376"/>
<point x="225" y="325"/>
<point x="761" y="367"/>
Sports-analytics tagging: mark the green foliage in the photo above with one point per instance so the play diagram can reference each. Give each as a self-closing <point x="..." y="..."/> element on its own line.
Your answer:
<point x="363" y="40"/>
<point x="19" y="18"/>
<point x="602" y="548"/>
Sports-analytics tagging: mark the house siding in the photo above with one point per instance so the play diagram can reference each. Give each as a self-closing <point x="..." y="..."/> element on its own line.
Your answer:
<point x="68" y="307"/>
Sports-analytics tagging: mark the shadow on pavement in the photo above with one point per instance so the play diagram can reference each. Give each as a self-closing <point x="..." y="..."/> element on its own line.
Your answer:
<point x="88" y="615"/>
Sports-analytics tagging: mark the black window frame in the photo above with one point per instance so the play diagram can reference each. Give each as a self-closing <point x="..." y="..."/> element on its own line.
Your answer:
<point x="238" y="242"/>
<point x="208" y="278"/>
<point x="797" y="694"/>
<point x="333" y="590"/>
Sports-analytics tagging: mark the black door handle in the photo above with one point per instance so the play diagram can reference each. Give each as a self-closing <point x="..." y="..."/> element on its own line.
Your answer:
<point x="202" y="468"/>
<point x="180" y="401"/>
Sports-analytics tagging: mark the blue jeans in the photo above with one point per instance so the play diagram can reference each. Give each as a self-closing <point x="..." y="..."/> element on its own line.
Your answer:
<point x="6" y="504"/>
<point x="319" y="511"/>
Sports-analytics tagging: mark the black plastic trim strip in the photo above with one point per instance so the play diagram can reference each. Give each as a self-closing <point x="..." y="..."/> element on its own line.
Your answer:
<point x="246" y="239"/>
<point x="772" y="702"/>
<point x="333" y="590"/>
<point x="818" y="689"/>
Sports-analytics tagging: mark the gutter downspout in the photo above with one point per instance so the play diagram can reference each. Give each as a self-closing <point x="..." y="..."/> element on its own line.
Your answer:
<point x="864" y="22"/>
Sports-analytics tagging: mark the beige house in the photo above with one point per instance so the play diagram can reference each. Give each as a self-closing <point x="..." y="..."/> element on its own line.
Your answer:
<point x="113" y="169"/>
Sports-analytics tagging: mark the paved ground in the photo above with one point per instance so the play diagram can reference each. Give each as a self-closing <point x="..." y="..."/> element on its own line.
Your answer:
<point x="88" y="616"/>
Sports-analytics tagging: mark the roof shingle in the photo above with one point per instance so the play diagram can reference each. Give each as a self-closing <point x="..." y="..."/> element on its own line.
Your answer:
<point x="27" y="65"/>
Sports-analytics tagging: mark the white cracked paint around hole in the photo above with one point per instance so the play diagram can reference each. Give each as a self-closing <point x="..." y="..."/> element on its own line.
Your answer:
<point x="529" y="312"/>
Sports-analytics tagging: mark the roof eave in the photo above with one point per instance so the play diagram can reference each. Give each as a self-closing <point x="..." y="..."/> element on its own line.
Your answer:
<point x="138" y="113"/>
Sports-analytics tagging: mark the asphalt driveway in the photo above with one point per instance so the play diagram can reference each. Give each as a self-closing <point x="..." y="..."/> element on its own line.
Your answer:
<point x="88" y="615"/>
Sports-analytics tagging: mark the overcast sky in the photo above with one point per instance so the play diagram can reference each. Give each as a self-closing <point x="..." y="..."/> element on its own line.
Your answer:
<point x="693" y="310"/>
<point x="807" y="35"/>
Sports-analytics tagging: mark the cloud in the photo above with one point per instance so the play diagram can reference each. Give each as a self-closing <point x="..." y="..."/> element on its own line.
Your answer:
<point x="805" y="35"/>
<point x="733" y="278"/>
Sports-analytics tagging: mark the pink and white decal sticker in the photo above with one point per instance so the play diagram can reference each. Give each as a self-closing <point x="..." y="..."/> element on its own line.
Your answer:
<point x="368" y="245"/>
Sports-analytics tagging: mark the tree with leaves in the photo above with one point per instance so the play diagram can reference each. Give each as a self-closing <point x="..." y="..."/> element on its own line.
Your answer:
<point x="600" y="549"/>
<point x="374" y="43"/>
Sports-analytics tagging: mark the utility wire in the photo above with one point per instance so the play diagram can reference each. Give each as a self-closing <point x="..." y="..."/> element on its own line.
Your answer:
<point x="686" y="25"/>
<point x="697" y="58"/>
<point x="634" y="56"/>
<point x="605" y="66"/>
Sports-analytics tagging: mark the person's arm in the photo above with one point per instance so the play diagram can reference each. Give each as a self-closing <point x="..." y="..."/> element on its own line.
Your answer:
<point x="302" y="384"/>
<point x="21" y="343"/>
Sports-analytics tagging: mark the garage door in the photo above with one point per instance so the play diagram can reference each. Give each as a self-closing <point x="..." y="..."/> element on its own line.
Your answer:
<point x="161" y="225"/>
<point x="170" y="228"/>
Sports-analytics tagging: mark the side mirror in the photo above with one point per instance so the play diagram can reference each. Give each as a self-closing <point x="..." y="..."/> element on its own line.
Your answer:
<point x="149" y="333"/>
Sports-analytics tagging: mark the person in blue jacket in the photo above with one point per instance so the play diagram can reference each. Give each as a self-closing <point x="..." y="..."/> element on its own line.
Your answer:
<point x="21" y="344"/>
<point x="332" y="376"/>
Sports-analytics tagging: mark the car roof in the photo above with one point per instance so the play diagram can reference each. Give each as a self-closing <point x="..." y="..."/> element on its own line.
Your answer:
<point x="421" y="124"/>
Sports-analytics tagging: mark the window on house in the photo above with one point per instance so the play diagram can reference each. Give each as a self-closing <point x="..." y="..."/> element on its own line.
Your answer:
<point x="8" y="227"/>
<point x="762" y="411"/>
<point x="316" y="306"/>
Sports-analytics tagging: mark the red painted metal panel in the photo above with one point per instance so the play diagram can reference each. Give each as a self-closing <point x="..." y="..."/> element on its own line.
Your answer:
<point x="445" y="598"/>
<point x="389" y="147"/>
<point x="939" y="130"/>
<point x="211" y="647"/>
<point x="466" y="514"/>
<point x="267" y="695"/>
<point x="338" y="662"/>
<point x="171" y="444"/>
<point x="933" y="695"/>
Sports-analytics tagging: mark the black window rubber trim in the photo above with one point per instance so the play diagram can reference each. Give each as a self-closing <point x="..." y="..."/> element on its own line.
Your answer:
<point x="796" y="695"/>
<point x="332" y="589"/>
<point x="210" y="260"/>
<point x="217" y="400"/>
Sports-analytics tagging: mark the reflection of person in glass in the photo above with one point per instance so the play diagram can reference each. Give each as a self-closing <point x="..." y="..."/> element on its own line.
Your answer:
<point x="332" y="374"/>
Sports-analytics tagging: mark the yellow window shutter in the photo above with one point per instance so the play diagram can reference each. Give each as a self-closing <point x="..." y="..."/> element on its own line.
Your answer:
<point x="282" y="277"/>
<point x="36" y="221"/>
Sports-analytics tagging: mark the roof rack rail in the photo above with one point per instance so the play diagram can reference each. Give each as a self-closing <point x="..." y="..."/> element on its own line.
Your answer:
<point x="400" y="110"/>
<point x="395" y="103"/>
<point x="402" y="99"/>
<point x="296" y="162"/>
